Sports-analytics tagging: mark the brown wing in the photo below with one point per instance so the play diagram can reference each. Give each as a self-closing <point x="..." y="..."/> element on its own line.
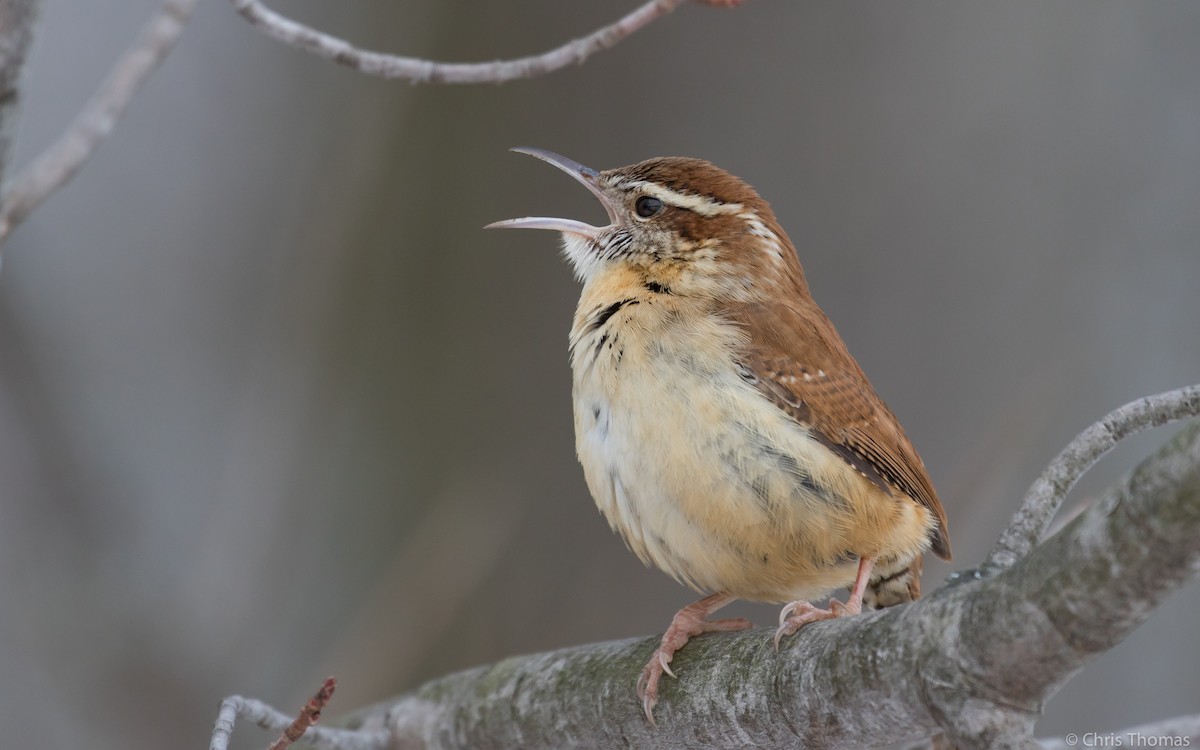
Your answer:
<point x="796" y="359"/>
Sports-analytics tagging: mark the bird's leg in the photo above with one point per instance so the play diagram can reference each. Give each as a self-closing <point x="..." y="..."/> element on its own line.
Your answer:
<point x="687" y="622"/>
<point x="798" y="614"/>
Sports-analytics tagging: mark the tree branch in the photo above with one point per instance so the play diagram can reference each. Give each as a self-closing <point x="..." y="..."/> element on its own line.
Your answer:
<point x="978" y="658"/>
<point x="416" y="70"/>
<point x="17" y="19"/>
<point x="236" y="707"/>
<point x="1046" y="495"/>
<point x="59" y="163"/>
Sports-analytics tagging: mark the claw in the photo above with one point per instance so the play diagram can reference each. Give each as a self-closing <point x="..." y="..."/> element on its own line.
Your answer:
<point x="666" y="666"/>
<point x="689" y="621"/>
<point x="778" y="638"/>
<point x="798" y="614"/>
<point x="783" y="615"/>
<point x="647" y="689"/>
<point x="648" y="707"/>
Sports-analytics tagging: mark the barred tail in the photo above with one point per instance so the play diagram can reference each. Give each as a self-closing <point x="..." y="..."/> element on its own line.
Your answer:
<point x="894" y="587"/>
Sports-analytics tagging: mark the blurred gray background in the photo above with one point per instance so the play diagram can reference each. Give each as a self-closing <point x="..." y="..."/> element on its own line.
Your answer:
<point x="273" y="406"/>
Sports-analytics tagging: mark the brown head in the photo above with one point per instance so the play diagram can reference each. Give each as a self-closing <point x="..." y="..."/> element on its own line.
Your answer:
<point x="680" y="222"/>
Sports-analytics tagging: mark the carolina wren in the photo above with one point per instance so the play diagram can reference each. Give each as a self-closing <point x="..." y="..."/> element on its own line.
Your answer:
<point x="723" y="427"/>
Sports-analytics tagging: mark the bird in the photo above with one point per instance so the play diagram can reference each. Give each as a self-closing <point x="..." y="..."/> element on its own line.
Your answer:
<point x="724" y="429"/>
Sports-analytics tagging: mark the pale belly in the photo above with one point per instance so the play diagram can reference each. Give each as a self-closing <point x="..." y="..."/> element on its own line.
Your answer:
<point x="717" y="487"/>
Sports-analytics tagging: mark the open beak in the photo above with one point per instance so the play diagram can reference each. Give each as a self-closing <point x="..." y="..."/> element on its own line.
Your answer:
<point x="585" y="175"/>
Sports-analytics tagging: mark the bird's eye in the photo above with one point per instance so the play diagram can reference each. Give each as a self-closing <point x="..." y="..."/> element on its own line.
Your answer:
<point x="647" y="206"/>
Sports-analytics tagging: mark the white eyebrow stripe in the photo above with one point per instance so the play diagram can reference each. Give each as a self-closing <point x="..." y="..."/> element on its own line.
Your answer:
<point x="690" y="201"/>
<point x="760" y="230"/>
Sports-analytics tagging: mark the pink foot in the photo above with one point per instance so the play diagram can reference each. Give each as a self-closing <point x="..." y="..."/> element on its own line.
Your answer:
<point x="687" y="622"/>
<point x="798" y="614"/>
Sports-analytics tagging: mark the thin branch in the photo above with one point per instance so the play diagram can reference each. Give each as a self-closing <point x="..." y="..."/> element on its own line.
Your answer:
<point x="417" y="70"/>
<point x="1046" y="495"/>
<point x="309" y="715"/>
<point x="236" y="707"/>
<point x="977" y="658"/>
<point x="58" y="164"/>
<point x="17" y="21"/>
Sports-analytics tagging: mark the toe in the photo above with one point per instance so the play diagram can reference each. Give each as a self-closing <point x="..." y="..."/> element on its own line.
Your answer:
<point x="798" y="614"/>
<point x="647" y="685"/>
<point x="648" y="692"/>
<point x="721" y="626"/>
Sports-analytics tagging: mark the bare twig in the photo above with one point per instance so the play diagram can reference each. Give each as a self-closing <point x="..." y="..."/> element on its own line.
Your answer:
<point x="17" y="20"/>
<point x="1043" y="499"/>
<point x="309" y="715"/>
<point x="58" y="164"/>
<point x="236" y="707"/>
<point x="416" y="70"/>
